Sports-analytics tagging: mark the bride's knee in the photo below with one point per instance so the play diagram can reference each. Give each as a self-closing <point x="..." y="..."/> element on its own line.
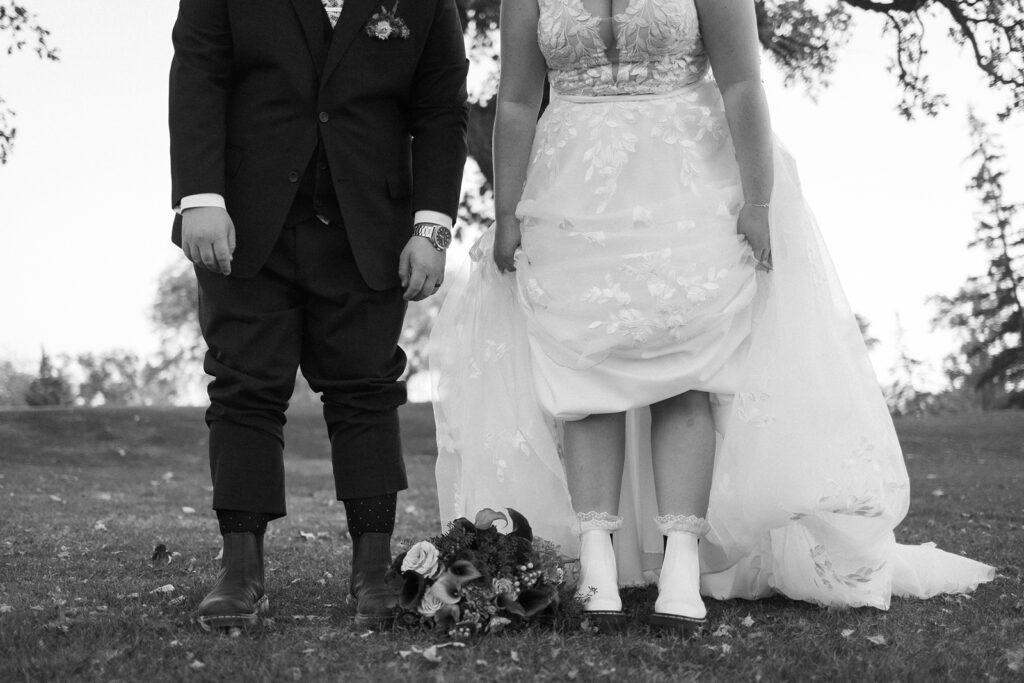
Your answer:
<point x="685" y="403"/>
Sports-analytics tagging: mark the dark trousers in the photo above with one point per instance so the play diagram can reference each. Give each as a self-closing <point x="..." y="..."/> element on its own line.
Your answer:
<point x="308" y="307"/>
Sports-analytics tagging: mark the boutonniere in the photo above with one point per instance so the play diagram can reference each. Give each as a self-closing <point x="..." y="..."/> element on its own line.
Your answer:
<point x="385" y="24"/>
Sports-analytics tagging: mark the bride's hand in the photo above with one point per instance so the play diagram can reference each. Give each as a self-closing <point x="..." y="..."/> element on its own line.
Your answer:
<point x="753" y="225"/>
<point x="507" y="238"/>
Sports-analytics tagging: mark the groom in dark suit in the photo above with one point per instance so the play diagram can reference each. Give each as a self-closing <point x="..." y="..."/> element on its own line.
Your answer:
<point x="317" y="149"/>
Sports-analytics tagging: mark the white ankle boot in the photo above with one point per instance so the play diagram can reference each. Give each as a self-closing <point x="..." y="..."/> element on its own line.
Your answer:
<point x="679" y="604"/>
<point x="599" y="578"/>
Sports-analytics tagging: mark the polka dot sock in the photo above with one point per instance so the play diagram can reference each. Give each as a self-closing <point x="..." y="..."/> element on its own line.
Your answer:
<point x="236" y="521"/>
<point x="371" y="515"/>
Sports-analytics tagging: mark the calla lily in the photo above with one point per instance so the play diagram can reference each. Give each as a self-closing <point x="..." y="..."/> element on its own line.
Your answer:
<point x="486" y="518"/>
<point x="448" y="586"/>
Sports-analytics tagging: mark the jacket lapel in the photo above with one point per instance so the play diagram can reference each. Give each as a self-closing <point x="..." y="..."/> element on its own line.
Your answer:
<point x="354" y="16"/>
<point x="309" y="13"/>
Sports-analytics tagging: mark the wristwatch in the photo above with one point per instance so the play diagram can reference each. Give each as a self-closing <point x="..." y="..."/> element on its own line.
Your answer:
<point x="439" y="235"/>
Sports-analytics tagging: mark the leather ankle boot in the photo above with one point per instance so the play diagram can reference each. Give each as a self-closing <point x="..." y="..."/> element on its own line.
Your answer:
<point x="598" y="585"/>
<point x="238" y="598"/>
<point x="376" y="602"/>
<point x="679" y="606"/>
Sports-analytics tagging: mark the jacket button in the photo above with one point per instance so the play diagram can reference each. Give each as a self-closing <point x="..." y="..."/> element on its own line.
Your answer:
<point x="324" y="117"/>
<point x="293" y="177"/>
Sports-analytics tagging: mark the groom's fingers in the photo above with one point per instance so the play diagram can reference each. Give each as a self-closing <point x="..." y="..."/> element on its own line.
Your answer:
<point x="222" y="253"/>
<point x="416" y="281"/>
<point x="208" y="257"/>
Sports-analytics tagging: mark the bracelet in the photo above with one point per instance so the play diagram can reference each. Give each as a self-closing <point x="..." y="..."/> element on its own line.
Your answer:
<point x="766" y="205"/>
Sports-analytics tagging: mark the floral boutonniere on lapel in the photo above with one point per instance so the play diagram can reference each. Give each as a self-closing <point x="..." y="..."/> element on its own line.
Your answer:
<point x="385" y="24"/>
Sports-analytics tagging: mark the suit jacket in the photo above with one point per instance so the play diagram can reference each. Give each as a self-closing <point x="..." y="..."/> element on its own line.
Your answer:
<point x="254" y="85"/>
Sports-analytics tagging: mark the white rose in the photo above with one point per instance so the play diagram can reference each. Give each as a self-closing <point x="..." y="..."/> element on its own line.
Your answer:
<point x="430" y="604"/>
<point x="422" y="559"/>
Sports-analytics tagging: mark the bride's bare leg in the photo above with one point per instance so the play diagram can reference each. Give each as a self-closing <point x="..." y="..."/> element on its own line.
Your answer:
<point x="595" y="449"/>
<point x="683" y="445"/>
<point x="683" y="449"/>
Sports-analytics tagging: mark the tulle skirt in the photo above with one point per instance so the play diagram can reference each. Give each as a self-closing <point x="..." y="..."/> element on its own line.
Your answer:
<point x="631" y="287"/>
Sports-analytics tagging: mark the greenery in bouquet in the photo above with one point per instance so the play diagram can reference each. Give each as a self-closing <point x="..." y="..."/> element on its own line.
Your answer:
<point x="474" y="579"/>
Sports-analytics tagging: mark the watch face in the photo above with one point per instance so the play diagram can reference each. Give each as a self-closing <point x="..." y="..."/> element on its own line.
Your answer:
<point x="443" y="237"/>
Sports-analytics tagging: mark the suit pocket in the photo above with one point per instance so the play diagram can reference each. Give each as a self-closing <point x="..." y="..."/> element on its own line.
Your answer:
<point x="399" y="185"/>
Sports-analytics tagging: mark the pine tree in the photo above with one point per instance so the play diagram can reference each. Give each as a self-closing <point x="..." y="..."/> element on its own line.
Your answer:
<point x="988" y="311"/>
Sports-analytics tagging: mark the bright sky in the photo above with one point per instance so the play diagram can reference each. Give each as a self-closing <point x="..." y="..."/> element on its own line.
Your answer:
<point x="85" y="221"/>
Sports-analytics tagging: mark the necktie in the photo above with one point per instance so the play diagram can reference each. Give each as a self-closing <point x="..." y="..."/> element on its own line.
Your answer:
<point x="333" y="8"/>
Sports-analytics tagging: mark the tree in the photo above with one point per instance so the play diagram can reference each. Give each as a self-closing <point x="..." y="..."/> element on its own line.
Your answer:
<point x="50" y="388"/>
<point x="175" y="315"/>
<point x="805" y="43"/>
<point x="988" y="311"/>
<point x="113" y="378"/>
<point x="13" y="385"/>
<point x="21" y="29"/>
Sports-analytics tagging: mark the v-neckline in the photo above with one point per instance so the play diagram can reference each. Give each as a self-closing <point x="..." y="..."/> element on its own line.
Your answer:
<point x="629" y="8"/>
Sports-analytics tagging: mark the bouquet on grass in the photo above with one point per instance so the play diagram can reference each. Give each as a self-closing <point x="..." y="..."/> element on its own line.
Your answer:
<point x="474" y="579"/>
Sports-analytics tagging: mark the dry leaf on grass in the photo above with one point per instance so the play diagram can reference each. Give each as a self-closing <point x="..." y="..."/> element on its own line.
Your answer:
<point x="430" y="653"/>
<point x="748" y="621"/>
<point x="877" y="640"/>
<point x="166" y="588"/>
<point x="846" y="632"/>
<point x="1015" y="659"/>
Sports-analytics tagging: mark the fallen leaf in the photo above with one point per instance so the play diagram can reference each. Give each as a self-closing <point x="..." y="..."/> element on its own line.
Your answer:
<point x="99" y="526"/>
<point x="877" y="640"/>
<point x="308" y="651"/>
<point x="723" y="631"/>
<point x="513" y="655"/>
<point x="196" y="664"/>
<point x="1015" y="659"/>
<point x="103" y="495"/>
<point x="166" y="588"/>
<point x="168" y="476"/>
<point x="307" y="536"/>
<point x="4" y="609"/>
<point x="726" y="648"/>
<point x="748" y="621"/>
<point x="177" y="601"/>
<point x="188" y="511"/>
<point x="846" y="632"/>
<point x="938" y="493"/>
<point x="56" y="499"/>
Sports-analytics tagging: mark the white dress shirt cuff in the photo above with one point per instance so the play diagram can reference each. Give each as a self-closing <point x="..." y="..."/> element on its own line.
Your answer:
<point x="194" y="201"/>
<point x="433" y="217"/>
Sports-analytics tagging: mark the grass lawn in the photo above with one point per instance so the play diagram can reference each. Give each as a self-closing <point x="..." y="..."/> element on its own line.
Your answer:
<point x="86" y="495"/>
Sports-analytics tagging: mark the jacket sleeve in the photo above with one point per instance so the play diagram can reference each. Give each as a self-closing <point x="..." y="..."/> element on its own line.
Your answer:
<point x="439" y="115"/>
<point x="200" y="82"/>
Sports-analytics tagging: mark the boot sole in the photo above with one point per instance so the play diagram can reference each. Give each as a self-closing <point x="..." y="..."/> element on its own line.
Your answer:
<point x="223" y="621"/>
<point x="687" y="627"/>
<point x="606" y="622"/>
<point x="374" y="622"/>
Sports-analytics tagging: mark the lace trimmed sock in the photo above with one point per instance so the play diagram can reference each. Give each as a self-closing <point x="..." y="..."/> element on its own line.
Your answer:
<point x="238" y="521"/>
<point x="679" y="581"/>
<point x="375" y="514"/>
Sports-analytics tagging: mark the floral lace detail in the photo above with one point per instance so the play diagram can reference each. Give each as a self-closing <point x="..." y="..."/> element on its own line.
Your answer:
<point x="676" y="295"/>
<point x="657" y="48"/>
<point x="830" y="578"/>
<point x="595" y="520"/>
<point x="682" y="524"/>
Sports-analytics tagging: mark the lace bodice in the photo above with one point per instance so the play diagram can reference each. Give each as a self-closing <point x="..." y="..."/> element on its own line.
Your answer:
<point x="652" y="46"/>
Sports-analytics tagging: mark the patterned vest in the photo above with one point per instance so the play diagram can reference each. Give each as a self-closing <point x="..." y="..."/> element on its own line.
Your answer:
<point x="315" y="197"/>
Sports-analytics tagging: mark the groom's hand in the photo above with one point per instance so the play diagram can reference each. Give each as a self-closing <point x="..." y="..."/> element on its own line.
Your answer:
<point x="208" y="238"/>
<point x="421" y="269"/>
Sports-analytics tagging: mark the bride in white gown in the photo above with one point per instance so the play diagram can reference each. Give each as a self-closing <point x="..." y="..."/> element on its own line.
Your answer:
<point x="672" y="358"/>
